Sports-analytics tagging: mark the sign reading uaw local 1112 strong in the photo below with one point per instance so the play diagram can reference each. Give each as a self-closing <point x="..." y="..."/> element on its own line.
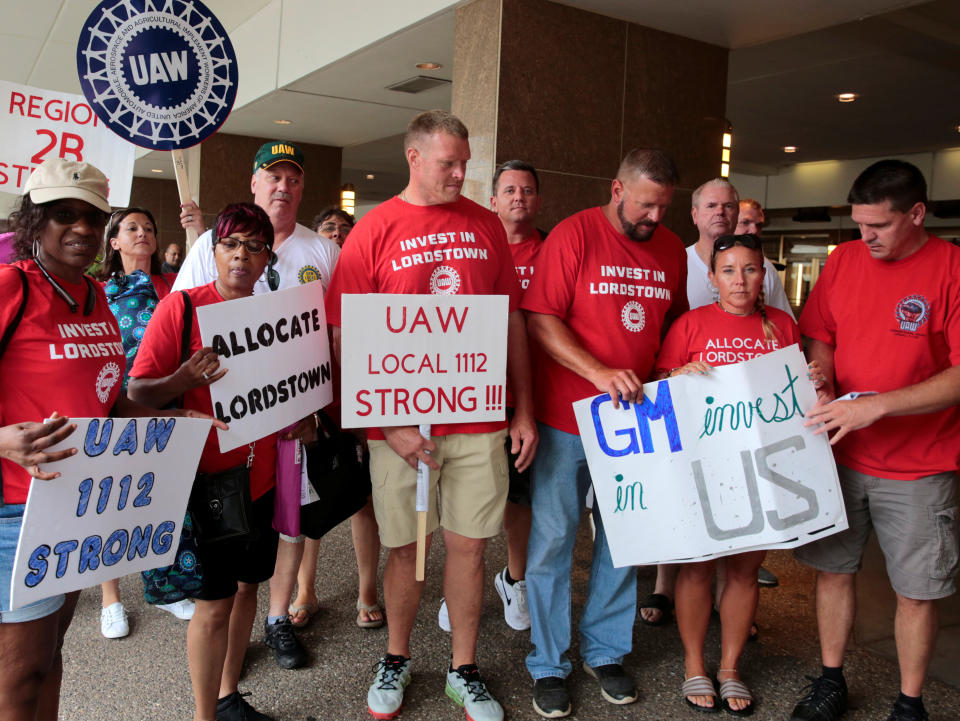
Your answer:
<point x="418" y="359"/>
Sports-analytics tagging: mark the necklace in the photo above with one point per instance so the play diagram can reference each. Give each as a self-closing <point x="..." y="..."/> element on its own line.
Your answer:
<point x="730" y="312"/>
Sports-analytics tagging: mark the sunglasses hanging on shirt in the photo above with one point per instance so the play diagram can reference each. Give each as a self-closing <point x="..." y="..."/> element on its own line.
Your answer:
<point x="88" y="304"/>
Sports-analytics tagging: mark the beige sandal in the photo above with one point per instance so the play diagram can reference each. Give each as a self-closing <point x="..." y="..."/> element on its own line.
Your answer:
<point x="363" y="608"/>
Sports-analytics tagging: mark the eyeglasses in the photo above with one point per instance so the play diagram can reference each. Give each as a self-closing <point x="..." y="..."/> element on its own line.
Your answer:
<point x="330" y="228"/>
<point x="254" y="247"/>
<point x="68" y="215"/>
<point x="725" y="242"/>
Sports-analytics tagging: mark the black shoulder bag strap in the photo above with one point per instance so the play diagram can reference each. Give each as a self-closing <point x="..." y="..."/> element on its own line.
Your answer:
<point x="184" y="340"/>
<point x="8" y="334"/>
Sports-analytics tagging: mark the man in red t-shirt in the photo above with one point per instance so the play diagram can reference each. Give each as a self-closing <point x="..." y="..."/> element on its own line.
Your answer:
<point x="884" y="320"/>
<point x="516" y="201"/>
<point x="609" y="281"/>
<point x="461" y="248"/>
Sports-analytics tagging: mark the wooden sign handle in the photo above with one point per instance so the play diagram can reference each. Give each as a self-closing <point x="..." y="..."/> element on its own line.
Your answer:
<point x="183" y="188"/>
<point x="423" y="505"/>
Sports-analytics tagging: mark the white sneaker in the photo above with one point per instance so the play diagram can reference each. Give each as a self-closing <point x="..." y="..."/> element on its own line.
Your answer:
<point x="181" y="609"/>
<point x="443" y="616"/>
<point x="113" y="621"/>
<point x="514" y="599"/>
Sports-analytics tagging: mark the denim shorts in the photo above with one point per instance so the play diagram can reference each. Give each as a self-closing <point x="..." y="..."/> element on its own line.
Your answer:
<point x="11" y="518"/>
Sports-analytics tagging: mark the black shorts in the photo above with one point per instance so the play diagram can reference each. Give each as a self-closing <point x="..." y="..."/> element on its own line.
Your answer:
<point x="247" y="560"/>
<point x="519" y="490"/>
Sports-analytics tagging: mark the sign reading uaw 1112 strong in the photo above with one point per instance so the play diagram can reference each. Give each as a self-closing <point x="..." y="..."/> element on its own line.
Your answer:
<point x="423" y="359"/>
<point x="712" y="465"/>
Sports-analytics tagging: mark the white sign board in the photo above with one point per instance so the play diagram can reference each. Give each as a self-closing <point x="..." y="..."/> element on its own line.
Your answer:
<point x="39" y="124"/>
<point x="712" y="465"/>
<point x="117" y="507"/>
<point x="277" y="355"/>
<point x="422" y="359"/>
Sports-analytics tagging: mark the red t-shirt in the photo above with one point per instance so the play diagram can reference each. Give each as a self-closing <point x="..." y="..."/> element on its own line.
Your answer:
<point x="711" y="335"/>
<point x="163" y="284"/>
<point x="456" y="248"/>
<point x="616" y="295"/>
<point x="159" y="356"/>
<point x="56" y="360"/>
<point x="892" y="324"/>
<point x="524" y="256"/>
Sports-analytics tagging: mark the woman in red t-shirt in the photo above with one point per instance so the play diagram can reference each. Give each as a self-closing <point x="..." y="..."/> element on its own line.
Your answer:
<point x="219" y="631"/>
<point x="58" y="228"/>
<point x="696" y="342"/>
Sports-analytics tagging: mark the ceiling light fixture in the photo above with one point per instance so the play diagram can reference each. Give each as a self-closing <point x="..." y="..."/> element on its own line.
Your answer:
<point x="429" y="66"/>
<point x="283" y="121"/>
<point x="726" y="143"/>
<point x="847" y="97"/>
<point x="348" y="198"/>
<point x="370" y="176"/>
<point x="789" y="148"/>
<point x="156" y="170"/>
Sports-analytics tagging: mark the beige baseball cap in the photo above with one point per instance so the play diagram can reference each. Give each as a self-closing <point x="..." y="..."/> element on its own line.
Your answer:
<point x="57" y="179"/>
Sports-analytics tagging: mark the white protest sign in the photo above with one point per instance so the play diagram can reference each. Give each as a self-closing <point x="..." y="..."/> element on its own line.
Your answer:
<point x="39" y="124"/>
<point x="422" y="359"/>
<point x="275" y="349"/>
<point x="712" y="465"/>
<point x="117" y="507"/>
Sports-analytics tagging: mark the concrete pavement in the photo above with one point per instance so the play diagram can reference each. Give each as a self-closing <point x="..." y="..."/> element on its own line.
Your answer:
<point x="145" y="676"/>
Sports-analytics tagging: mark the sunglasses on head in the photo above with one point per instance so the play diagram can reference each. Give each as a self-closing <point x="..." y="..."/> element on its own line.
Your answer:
<point x="68" y="215"/>
<point x="725" y="242"/>
<point x="254" y="247"/>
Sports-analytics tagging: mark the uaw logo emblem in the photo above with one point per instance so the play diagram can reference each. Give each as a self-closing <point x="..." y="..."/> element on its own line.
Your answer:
<point x="160" y="73"/>
<point x="308" y="274"/>
<point x="444" y="281"/>
<point x="633" y="317"/>
<point x="107" y="378"/>
<point x="912" y="312"/>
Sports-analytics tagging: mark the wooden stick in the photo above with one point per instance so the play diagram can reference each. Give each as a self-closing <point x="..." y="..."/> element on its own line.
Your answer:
<point x="423" y="505"/>
<point x="183" y="188"/>
<point x="421" y="544"/>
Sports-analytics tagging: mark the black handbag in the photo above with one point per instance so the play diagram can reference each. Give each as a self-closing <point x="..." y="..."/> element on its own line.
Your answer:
<point x="339" y="471"/>
<point x="221" y="506"/>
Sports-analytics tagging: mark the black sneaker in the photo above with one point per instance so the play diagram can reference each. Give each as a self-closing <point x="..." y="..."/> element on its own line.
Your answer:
<point x="235" y="708"/>
<point x="615" y="686"/>
<point x="550" y="697"/>
<point x="906" y="712"/>
<point x="281" y="638"/>
<point x="826" y="701"/>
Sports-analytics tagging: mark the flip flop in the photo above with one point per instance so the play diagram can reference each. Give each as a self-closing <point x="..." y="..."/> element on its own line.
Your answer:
<point x="368" y="609"/>
<point x="662" y="604"/>
<point x="309" y="610"/>
<point x="699" y="686"/>
<point x="734" y="688"/>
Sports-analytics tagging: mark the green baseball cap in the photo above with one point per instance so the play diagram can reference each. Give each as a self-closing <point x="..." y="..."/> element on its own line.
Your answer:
<point x="277" y="151"/>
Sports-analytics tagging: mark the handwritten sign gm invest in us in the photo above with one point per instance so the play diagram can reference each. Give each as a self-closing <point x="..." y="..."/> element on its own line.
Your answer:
<point x="160" y="73"/>
<point x="117" y="507"/>
<point x="416" y="359"/>
<point x="712" y="465"/>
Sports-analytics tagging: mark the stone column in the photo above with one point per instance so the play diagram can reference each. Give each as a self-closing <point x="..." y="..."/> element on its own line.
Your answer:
<point x="572" y="91"/>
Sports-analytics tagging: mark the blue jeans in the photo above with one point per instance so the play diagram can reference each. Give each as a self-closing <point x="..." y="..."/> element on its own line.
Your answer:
<point x="558" y="489"/>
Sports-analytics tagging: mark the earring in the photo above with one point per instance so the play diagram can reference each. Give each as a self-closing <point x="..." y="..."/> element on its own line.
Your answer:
<point x="36" y="247"/>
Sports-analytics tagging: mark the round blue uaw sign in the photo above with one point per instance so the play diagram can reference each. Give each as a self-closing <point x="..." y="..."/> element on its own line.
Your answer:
<point x="160" y="73"/>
